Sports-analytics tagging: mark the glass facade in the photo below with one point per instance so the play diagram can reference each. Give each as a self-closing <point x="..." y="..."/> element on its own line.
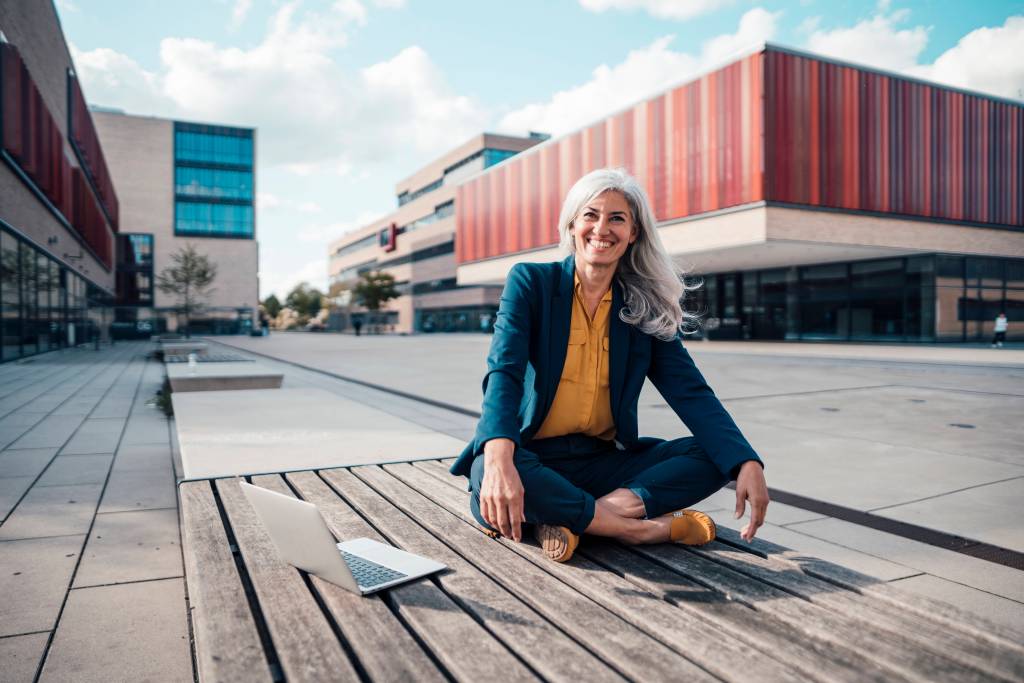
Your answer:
<point x="915" y="299"/>
<point x="213" y="181"/>
<point x="43" y="305"/>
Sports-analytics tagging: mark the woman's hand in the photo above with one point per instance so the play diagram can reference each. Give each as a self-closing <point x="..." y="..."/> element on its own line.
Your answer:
<point x="501" y="492"/>
<point x="750" y="485"/>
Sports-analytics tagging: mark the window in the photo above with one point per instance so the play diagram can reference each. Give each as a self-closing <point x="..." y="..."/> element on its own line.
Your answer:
<point x="213" y="145"/>
<point x="213" y="183"/>
<point x="356" y="246"/>
<point x="213" y="220"/>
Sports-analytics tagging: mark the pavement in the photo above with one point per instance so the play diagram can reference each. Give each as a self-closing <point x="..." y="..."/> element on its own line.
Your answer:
<point x="926" y="435"/>
<point x="91" y="575"/>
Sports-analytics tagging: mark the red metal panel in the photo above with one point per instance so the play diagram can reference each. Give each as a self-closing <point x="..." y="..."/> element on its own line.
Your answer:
<point x="513" y="208"/>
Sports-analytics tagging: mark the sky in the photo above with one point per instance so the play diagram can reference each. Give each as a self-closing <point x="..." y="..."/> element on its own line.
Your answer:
<point x="350" y="96"/>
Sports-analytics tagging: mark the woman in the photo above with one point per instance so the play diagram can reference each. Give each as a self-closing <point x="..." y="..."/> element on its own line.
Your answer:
<point x="557" y="444"/>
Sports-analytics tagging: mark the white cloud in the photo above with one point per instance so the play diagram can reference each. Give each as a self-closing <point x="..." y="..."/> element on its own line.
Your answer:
<point x="268" y="201"/>
<point x="389" y="4"/>
<point x="643" y="73"/>
<point x="280" y="283"/>
<point x="663" y="9"/>
<point x="239" y="12"/>
<point x="986" y="59"/>
<point x="877" y="41"/>
<point x="313" y="115"/>
<point x="323" y="234"/>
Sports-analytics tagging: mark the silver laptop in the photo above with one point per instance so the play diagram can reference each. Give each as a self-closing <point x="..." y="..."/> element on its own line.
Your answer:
<point x="303" y="540"/>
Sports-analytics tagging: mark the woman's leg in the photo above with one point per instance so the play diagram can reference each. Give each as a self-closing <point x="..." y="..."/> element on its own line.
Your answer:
<point x="550" y="497"/>
<point x="657" y="478"/>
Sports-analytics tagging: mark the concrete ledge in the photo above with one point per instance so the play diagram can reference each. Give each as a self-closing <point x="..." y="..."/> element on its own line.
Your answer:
<point x="228" y="433"/>
<point x="222" y="377"/>
<point x="182" y="348"/>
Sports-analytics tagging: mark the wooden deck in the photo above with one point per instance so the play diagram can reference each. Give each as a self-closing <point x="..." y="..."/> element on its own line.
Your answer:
<point x="502" y="612"/>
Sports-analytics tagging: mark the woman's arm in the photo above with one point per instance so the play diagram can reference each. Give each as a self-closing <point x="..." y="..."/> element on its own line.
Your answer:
<point x="501" y="492"/>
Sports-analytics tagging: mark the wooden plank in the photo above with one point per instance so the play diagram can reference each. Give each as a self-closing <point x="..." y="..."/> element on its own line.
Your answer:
<point x="550" y="653"/>
<point x="367" y="624"/>
<point x="928" y="608"/>
<point x="813" y="620"/>
<point x="814" y="657"/>
<point x="974" y="646"/>
<point x="688" y="633"/>
<point x="306" y="646"/>
<point x="964" y="649"/>
<point x="227" y="644"/>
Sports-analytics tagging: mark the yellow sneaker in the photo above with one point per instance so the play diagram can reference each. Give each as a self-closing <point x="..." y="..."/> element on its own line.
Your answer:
<point x="691" y="527"/>
<point x="557" y="542"/>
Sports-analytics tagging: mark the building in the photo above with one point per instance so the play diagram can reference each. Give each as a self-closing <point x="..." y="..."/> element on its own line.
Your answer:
<point x="182" y="183"/>
<point x="819" y="200"/>
<point x="415" y="245"/>
<point x="58" y="207"/>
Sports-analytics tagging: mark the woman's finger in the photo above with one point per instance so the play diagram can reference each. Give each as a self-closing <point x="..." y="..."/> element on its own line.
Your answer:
<point x="741" y="501"/>
<point x="501" y="515"/>
<point x="515" y="516"/>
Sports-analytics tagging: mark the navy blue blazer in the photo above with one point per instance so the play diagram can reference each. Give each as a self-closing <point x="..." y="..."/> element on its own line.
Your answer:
<point x="528" y="351"/>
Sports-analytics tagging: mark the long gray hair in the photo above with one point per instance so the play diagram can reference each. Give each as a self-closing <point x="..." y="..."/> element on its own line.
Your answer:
<point x="653" y="286"/>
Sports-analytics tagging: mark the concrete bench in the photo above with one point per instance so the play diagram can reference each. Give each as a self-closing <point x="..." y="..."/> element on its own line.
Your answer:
<point x="222" y="376"/>
<point x="224" y="433"/>
<point x="183" y="347"/>
<point x="503" y="612"/>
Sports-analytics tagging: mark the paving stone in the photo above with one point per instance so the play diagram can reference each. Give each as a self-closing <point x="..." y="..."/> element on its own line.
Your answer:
<point x="128" y="632"/>
<point x="815" y="547"/>
<point x="53" y="511"/>
<point x="978" y="513"/>
<point x="21" y="656"/>
<point x="135" y="457"/>
<point x="998" y="609"/>
<point x="52" y="431"/>
<point x="95" y="436"/>
<point x="34" y="577"/>
<point x="143" y="428"/>
<point x="143" y="489"/>
<point x="76" y="469"/>
<point x="14" y="425"/>
<point x="28" y="462"/>
<point x="11" y="491"/>
<point x="131" y="546"/>
<point x="971" y="571"/>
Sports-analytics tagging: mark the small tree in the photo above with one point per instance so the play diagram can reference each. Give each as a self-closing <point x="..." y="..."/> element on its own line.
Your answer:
<point x="304" y="300"/>
<point x="374" y="290"/>
<point x="272" y="306"/>
<point x="189" y="278"/>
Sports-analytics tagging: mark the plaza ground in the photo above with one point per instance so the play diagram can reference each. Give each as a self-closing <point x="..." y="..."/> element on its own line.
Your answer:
<point x="90" y="558"/>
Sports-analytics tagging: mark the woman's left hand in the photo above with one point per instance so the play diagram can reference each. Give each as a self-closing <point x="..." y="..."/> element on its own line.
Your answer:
<point x="750" y="485"/>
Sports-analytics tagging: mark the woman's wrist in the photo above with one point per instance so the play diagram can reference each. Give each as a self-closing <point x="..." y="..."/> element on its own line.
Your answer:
<point x="499" y="451"/>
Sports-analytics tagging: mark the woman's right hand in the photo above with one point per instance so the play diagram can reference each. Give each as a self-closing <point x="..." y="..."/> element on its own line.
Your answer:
<point x="501" y="492"/>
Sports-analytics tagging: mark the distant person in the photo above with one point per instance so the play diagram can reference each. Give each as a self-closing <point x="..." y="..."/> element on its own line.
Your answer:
<point x="1001" y="324"/>
<point x="357" y="323"/>
<point x="557" y="445"/>
<point x="265" y="324"/>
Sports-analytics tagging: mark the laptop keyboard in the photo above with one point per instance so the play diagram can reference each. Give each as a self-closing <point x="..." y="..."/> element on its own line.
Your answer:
<point x="369" y="574"/>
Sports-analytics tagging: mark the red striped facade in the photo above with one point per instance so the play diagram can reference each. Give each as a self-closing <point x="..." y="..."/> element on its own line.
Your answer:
<point x="32" y="140"/>
<point x="776" y="127"/>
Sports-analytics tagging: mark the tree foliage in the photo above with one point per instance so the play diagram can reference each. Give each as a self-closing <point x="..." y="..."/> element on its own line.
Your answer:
<point x="272" y="306"/>
<point x="375" y="289"/>
<point x="189" y="279"/>
<point x="305" y="300"/>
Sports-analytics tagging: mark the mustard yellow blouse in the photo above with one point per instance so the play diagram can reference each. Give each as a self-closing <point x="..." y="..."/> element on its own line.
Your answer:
<point x="582" y="402"/>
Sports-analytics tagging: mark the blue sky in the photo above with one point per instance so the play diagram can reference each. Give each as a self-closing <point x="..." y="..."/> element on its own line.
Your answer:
<point x="350" y="96"/>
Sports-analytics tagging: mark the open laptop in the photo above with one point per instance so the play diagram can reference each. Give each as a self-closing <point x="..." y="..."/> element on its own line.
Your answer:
<point x="303" y="540"/>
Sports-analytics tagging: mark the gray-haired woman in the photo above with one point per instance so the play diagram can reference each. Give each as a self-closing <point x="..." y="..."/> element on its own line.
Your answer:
<point x="557" y="443"/>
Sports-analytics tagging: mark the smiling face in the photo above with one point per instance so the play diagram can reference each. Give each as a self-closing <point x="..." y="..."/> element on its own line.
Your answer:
<point x="603" y="230"/>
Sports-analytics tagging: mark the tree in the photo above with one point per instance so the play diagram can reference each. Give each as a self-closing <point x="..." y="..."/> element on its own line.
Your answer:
<point x="189" y="278"/>
<point x="272" y="306"/>
<point x="304" y="300"/>
<point x="374" y="290"/>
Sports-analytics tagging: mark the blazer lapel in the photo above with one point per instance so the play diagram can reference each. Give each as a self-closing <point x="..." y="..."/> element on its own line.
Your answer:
<point x="618" y="350"/>
<point x="561" y="318"/>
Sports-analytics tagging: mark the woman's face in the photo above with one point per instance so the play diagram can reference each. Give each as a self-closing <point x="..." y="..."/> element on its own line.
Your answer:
<point x="603" y="229"/>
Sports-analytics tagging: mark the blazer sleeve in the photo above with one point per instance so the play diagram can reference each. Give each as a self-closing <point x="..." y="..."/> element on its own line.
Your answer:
<point x="683" y="387"/>
<point x="504" y="382"/>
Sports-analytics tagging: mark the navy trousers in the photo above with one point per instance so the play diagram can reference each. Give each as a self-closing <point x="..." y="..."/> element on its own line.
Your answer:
<point x="564" y="475"/>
